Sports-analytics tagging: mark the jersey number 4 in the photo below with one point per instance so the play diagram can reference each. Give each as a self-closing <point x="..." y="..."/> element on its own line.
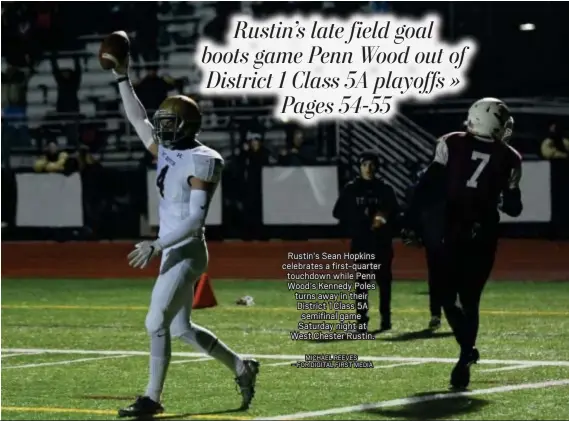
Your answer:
<point x="482" y="159"/>
<point x="160" y="180"/>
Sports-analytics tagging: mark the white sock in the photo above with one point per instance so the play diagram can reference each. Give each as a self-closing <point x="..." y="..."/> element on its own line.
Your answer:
<point x="207" y="342"/>
<point x="160" y="353"/>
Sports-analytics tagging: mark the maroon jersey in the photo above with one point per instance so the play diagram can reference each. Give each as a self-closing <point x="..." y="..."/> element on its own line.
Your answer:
<point x="478" y="171"/>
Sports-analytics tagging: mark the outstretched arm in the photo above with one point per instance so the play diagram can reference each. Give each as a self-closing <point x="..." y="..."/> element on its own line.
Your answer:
<point x="428" y="186"/>
<point x="134" y="110"/>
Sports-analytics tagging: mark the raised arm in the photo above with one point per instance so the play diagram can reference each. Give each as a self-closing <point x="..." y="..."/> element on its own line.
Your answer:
<point x="134" y="110"/>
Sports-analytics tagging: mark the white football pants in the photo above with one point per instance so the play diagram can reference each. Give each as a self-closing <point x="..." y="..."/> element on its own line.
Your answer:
<point x="173" y="293"/>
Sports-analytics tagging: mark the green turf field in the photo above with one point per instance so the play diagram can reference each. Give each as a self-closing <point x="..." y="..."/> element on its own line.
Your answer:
<point x="76" y="349"/>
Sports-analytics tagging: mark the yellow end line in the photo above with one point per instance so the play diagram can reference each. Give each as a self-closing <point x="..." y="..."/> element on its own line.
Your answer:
<point x="114" y="413"/>
<point x="269" y="309"/>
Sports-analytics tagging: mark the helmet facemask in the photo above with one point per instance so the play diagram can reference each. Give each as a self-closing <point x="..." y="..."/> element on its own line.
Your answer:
<point x="168" y="128"/>
<point x="508" y="131"/>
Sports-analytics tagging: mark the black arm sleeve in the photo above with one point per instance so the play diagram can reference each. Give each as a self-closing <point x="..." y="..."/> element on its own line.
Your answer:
<point x="512" y="196"/>
<point x="429" y="186"/>
<point x="340" y="206"/>
<point x="346" y="211"/>
<point x="512" y="202"/>
<point x="391" y="207"/>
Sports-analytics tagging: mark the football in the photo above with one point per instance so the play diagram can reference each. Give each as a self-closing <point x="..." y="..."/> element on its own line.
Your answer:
<point x="114" y="50"/>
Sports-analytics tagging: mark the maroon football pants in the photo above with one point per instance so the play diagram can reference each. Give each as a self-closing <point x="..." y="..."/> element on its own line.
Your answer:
<point x="469" y="261"/>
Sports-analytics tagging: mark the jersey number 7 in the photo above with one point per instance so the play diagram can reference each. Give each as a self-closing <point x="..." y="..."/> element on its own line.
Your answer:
<point x="160" y="180"/>
<point x="482" y="159"/>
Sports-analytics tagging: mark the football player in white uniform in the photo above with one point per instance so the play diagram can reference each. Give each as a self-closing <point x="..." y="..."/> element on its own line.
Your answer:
<point x="188" y="174"/>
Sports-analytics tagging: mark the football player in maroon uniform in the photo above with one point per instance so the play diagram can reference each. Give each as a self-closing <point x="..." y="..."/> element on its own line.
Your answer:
<point x="478" y="174"/>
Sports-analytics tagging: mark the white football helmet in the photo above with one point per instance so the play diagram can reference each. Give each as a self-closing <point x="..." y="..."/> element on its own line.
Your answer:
<point x="509" y="130"/>
<point x="488" y="117"/>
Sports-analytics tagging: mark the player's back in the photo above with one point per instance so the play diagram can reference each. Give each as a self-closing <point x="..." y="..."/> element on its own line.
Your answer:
<point x="175" y="168"/>
<point x="479" y="170"/>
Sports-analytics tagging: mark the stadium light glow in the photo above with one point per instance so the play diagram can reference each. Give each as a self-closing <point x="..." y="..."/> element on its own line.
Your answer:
<point x="527" y="27"/>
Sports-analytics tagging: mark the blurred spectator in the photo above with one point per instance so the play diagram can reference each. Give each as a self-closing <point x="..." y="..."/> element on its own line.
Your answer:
<point x="556" y="145"/>
<point x="44" y="135"/>
<point x="299" y="152"/>
<point x="217" y="27"/>
<point x="9" y="194"/>
<point x="255" y="155"/>
<point x="153" y="89"/>
<point x="14" y="92"/>
<point x="14" y="107"/>
<point x="47" y="26"/>
<point x="53" y="160"/>
<point x="68" y="82"/>
<point x="253" y="158"/>
<point x="91" y="174"/>
<point x="379" y="6"/>
<point x="145" y="22"/>
<point x="20" y="45"/>
<point x="86" y="162"/>
<point x="91" y="137"/>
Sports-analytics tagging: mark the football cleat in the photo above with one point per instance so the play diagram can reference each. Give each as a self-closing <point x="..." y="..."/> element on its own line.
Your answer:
<point x="385" y="325"/>
<point x="435" y="323"/>
<point x="460" y="376"/>
<point x="142" y="407"/>
<point x="246" y="382"/>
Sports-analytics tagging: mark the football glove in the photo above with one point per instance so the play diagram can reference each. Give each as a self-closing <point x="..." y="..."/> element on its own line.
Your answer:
<point x="143" y="253"/>
<point x="122" y="68"/>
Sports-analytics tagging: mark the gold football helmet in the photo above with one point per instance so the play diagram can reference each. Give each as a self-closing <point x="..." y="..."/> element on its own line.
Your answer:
<point x="177" y="119"/>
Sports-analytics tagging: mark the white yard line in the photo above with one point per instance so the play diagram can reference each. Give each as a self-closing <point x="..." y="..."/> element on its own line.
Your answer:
<point x="399" y="364"/>
<point x="415" y="400"/>
<point x="62" y="362"/>
<point x="294" y="357"/>
<point x="193" y="360"/>
<point x="16" y="354"/>
<point x="511" y="367"/>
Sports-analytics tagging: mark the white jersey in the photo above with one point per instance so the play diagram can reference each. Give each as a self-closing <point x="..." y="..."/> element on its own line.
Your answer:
<point x="174" y="169"/>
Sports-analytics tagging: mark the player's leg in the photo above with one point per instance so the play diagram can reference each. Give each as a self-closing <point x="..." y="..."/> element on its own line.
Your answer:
<point x="362" y="303"/>
<point x="204" y="340"/>
<point x="454" y="276"/>
<point x="168" y="296"/>
<point x="481" y="261"/>
<point x="384" y="278"/>
<point x="207" y="342"/>
<point x="447" y="282"/>
<point x="477" y="268"/>
<point x="435" y="304"/>
<point x="433" y="224"/>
